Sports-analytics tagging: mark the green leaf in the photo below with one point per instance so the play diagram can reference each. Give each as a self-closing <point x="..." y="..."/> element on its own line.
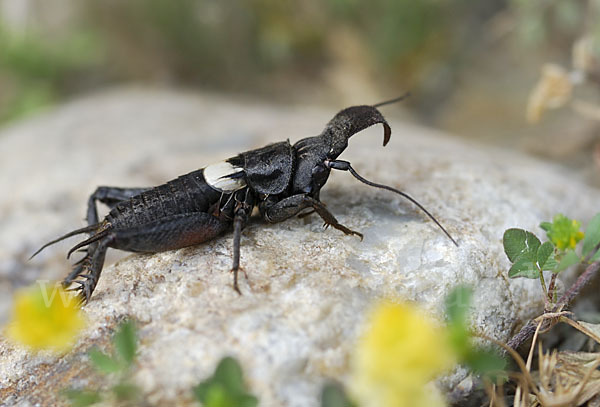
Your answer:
<point x="214" y="395"/>
<point x="225" y="388"/>
<point x="125" y="341"/>
<point x="82" y="398"/>
<point x="514" y="243"/>
<point x="568" y="259"/>
<point x="126" y="391"/>
<point x="525" y="266"/>
<point x="521" y="247"/>
<point x="229" y="373"/>
<point x="457" y="311"/>
<point x="592" y="235"/>
<point x="457" y="304"/>
<point x="518" y="242"/>
<point x="247" y="400"/>
<point x="486" y="362"/>
<point x="596" y="257"/>
<point x="547" y="226"/>
<point x="459" y="337"/>
<point x="102" y="362"/>
<point x="333" y="395"/>
<point x="201" y="390"/>
<point x="545" y="257"/>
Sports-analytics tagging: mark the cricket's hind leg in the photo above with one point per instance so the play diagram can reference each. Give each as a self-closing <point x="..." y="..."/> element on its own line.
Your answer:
<point x="109" y="196"/>
<point x="87" y="270"/>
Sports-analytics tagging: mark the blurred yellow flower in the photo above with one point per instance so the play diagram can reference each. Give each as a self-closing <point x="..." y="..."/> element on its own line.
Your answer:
<point x="564" y="232"/>
<point x="46" y="317"/>
<point x="402" y="350"/>
<point x="575" y="239"/>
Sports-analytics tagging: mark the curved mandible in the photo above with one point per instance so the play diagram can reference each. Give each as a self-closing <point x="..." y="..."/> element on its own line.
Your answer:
<point x="352" y="120"/>
<point x="349" y="122"/>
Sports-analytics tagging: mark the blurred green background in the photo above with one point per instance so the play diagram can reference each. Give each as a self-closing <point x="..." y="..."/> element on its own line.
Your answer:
<point x="470" y="64"/>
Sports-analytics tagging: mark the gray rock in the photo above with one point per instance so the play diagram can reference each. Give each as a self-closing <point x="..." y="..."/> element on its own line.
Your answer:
<point x="308" y="288"/>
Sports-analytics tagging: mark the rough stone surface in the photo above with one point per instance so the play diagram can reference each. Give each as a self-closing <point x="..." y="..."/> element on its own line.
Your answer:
<point x="308" y="288"/>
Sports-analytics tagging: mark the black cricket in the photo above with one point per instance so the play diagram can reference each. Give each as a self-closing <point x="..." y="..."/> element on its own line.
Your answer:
<point x="280" y="178"/>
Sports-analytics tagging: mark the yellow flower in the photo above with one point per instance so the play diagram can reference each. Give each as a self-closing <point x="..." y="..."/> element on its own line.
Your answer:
<point x="396" y="358"/>
<point x="45" y="317"/>
<point x="575" y="239"/>
<point x="563" y="232"/>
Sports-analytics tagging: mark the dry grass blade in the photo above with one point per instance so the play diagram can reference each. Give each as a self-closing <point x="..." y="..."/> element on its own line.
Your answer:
<point x="580" y="370"/>
<point x="591" y="330"/>
<point x="520" y="400"/>
<point x="569" y="378"/>
<point x="524" y="378"/>
<point x="563" y="378"/>
<point x="494" y="393"/>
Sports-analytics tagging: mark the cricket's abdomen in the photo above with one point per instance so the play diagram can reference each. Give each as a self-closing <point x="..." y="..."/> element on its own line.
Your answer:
<point x="172" y="232"/>
<point x="170" y="216"/>
<point x="187" y="194"/>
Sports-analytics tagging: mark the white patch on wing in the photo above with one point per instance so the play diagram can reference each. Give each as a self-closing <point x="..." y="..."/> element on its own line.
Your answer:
<point x="217" y="176"/>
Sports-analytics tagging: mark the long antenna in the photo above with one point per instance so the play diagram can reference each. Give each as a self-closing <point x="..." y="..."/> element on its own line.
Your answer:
<point x="345" y="166"/>
<point x="389" y="102"/>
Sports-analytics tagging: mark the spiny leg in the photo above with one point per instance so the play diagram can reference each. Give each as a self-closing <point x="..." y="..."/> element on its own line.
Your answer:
<point x="244" y="205"/>
<point x="239" y="221"/>
<point x="90" y="269"/>
<point x="102" y="232"/>
<point x="275" y="211"/>
<point x="330" y="220"/>
<point x="78" y="268"/>
<point x="110" y="196"/>
<point x="311" y="211"/>
<point x="288" y="207"/>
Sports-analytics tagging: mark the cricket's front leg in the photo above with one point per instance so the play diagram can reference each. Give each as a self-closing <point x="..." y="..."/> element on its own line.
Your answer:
<point x="239" y="221"/>
<point x="244" y="203"/>
<point x="286" y="208"/>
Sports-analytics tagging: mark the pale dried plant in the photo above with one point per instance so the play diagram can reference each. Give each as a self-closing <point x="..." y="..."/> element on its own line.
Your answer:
<point x="567" y="378"/>
<point x="583" y="57"/>
<point x="556" y="86"/>
<point x="553" y="90"/>
<point x="562" y="378"/>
